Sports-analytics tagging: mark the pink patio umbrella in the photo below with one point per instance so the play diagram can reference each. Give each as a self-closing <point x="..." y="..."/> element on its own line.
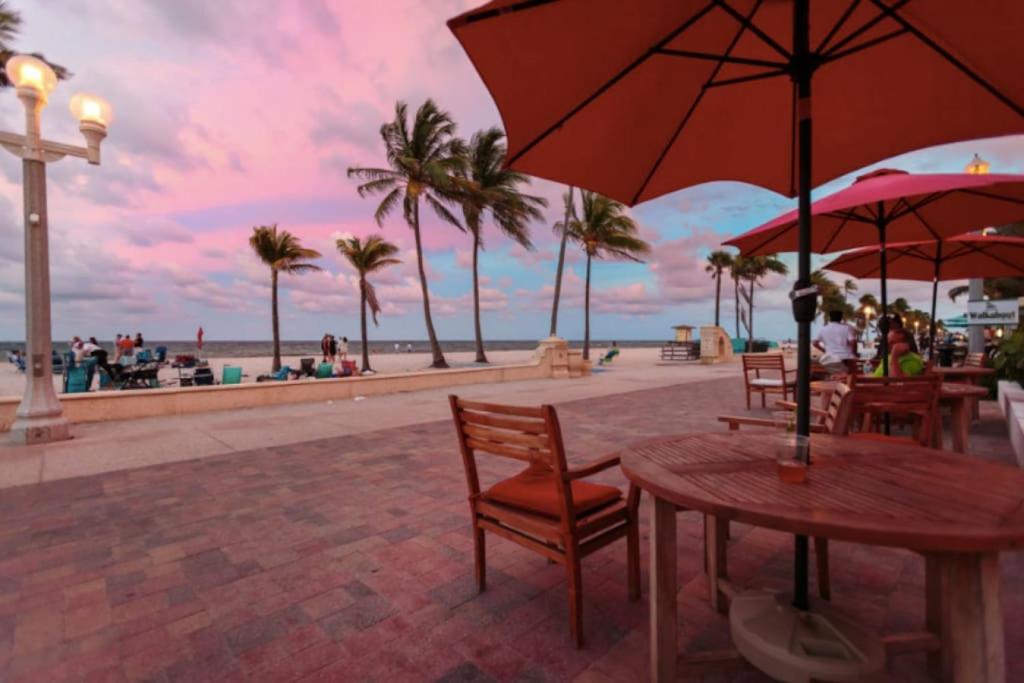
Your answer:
<point x="637" y="99"/>
<point x="957" y="258"/>
<point x="894" y="206"/>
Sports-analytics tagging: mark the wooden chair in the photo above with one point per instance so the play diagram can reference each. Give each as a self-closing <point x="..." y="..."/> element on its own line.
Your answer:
<point x="547" y="507"/>
<point x="771" y="364"/>
<point x="975" y="360"/>
<point x="913" y="400"/>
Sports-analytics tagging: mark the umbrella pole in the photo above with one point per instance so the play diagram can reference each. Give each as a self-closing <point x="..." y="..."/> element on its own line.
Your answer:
<point x="804" y="303"/>
<point x="883" y="321"/>
<point x="935" y="293"/>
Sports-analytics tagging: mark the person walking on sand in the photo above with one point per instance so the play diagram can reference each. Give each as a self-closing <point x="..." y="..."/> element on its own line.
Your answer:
<point x="343" y="348"/>
<point x="324" y="347"/>
<point x="117" y="349"/>
<point x="333" y="347"/>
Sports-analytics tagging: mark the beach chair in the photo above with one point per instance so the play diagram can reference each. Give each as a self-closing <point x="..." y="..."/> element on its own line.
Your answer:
<point x="203" y="377"/>
<point x="231" y="375"/>
<point x="547" y="507"/>
<point x="324" y="371"/>
<point x="608" y="357"/>
<point x="281" y="375"/>
<point x="78" y="379"/>
<point x="766" y="373"/>
<point x="307" y="367"/>
<point x="20" y="363"/>
<point x="160" y="354"/>
<point x="349" y="368"/>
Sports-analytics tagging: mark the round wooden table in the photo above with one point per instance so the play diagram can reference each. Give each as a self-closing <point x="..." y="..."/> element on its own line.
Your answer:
<point x="958" y="512"/>
<point x="971" y="374"/>
<point x="960" y="398"/>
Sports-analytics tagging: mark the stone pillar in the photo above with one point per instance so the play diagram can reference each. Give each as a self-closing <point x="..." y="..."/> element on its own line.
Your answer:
<point x="557" y="351"/>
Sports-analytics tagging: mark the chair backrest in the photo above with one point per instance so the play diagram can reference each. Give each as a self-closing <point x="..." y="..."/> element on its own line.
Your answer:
<point x="75" y="381"/>
<point x="161" y="353"/>
<point x="975" y="360"/>
<point x="900" y="396"/>
<point x="143" y="356"/>
<point x="203" y="377"/>
<point x="283" y="372"/>
<point x="529" y="434"/>
<point x="231" y="375"/>
<point x="324" y="371"/>
<point x="306" y="364"/>
<point x="756" y="362"/>
<point x="837" y="415"/>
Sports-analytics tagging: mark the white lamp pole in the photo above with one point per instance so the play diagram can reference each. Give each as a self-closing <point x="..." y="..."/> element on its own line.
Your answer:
<point x="40" y="418"/>
<point x="976" y="285"/>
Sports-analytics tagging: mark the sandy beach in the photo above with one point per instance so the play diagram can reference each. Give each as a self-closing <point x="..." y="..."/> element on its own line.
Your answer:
<point x="12" y="382"/>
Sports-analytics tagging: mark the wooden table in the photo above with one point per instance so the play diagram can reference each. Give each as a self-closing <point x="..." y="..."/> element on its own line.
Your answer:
<point x="971" y="374"/>
<point x="958" y="512"/>
<point x="958" y="396"/>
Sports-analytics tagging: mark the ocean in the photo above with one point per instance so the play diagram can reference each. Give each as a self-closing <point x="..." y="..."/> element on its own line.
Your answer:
<point x="252" y="349"/>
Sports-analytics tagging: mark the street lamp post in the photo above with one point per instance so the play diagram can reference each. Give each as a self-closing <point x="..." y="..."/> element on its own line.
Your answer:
<point x="40" y="418"/>
<point x="976" y="285"/>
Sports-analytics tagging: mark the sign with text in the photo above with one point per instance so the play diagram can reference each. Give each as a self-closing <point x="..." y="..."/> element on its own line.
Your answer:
<point x="1002" y="312"/>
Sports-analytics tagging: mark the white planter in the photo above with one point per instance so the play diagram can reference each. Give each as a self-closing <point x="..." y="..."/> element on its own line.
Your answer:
<point x="1015" y="425"/>
<point x="1008" y="392"/>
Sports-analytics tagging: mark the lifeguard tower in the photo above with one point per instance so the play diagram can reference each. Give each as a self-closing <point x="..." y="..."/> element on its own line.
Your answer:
<point x="683" y="347"/>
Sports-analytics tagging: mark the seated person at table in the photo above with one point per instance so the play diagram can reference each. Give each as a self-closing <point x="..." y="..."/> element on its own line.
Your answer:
<point x="838" y="343"/>
<point x="904" y="360"/>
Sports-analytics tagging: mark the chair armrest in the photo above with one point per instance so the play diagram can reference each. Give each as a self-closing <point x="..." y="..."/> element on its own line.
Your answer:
<point x="734" y="423"/>
<point x="786" y="405"/>
<point x="591" y="468"/>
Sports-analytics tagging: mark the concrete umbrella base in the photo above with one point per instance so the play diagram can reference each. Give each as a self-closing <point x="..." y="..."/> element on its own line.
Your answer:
<point x="797" y="647"/>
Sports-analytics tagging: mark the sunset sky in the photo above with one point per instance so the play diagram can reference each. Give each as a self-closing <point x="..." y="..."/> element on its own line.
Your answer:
<point x="237" y="113"/>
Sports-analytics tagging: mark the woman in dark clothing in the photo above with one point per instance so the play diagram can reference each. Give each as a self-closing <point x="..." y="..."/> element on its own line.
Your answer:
<point x="138" y="340"/>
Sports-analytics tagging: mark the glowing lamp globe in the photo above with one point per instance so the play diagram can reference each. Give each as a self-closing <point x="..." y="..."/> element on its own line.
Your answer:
<point x="91" y="109"/>
<point x="31" y="73"/>
<point x="978" y="166"/>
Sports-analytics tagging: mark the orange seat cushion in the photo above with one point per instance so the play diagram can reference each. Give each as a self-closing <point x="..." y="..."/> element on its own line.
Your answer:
<point x="535" y="490"/>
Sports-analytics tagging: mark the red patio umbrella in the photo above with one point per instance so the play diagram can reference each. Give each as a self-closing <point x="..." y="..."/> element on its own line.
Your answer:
<point x="894" y="206"/>
<point x="638" y="99"/>
<point x="957" y="258"/>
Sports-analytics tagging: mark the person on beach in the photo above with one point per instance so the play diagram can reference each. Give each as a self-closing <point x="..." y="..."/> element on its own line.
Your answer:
<point x="333" y="347"/>
<point x="127" y="346"/>
<point x="139" y="343"/>
<point x="117" y="349"/>
<point x="398" y="347"/>
<point x="325" y="347"/>
<point x="76" y="348"/>
<point x="343" y="348"/>
<point x="408" y="347"/>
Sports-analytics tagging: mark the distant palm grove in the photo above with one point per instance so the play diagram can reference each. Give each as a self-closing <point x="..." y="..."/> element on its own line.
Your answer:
<point x="467" y="185"/>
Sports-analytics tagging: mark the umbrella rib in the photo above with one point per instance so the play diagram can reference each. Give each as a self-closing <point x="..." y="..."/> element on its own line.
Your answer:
<point x="835" y="56"/>
<point x="925" y="201"/>
<point x="838" y="25"/>
<point x="746" y="79"/>
<point x="927" y="226"/>
<point x="608" y="84"/>
<point x="726" y="58"/>
<point x="861" y="30"/>
<point x="690" y="111"/>
<point x="749" y="25"/>
<point x="995" y="257"/>
<point x="835" y="234"/>
<point x="990" y="195"/>
<point x="945" y="54"/>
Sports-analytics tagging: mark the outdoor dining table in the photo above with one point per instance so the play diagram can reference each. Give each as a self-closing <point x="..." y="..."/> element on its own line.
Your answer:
<point x="965" y="373"/>
<point x="959" y="396"/>
<point x="958" y="512"/>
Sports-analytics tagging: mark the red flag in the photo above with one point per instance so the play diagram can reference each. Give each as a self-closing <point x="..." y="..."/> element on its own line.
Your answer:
<point x="199" y="338"/>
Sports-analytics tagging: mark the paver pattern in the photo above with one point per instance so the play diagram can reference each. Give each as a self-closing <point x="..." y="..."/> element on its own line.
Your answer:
<point x="349" y="559"/>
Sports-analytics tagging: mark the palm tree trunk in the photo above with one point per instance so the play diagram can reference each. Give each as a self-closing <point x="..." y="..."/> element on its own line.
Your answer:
<point x="718" y="295"/>
<point x="435" y="348"/>
<point x="276" y="365"/>
<point x="586" y="314"/>
<point x="362" y="321"/>
<point x="480" y="357"/>
<point x="750" y="319"/>
<point x="736" y="294"/>
<point x="561" y="265"/>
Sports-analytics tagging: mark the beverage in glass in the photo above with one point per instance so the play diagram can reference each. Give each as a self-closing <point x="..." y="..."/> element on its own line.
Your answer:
<point x="791" y="453"/>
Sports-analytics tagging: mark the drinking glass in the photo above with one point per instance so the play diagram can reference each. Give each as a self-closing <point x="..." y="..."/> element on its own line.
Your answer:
<point x="792" y="453"/>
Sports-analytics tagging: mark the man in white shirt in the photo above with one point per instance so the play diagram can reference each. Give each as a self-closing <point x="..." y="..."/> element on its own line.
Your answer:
<point x="838" y="343"/>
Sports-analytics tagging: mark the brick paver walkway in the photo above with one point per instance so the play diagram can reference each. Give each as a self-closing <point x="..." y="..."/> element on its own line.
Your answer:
<point x="349" y="559"/>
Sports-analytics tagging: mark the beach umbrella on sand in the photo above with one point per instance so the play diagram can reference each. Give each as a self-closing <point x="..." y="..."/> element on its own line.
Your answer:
<point x="894" y="206"/>
<point x="638" y="99"/>
<point x="957" y="258"/>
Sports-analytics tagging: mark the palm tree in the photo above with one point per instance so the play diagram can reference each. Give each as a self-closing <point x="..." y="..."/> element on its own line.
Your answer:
<point x="10" y="25"/>
<point x="849" y="287"/>
<point x="487" y="185"/>
<point x="755" y="269"/>
<point x="831" y="295"/>
<point x="421" y="163"/>
<point x="283" y="253"/>
<point x="736" y="269"/>
<point x="561" y="228"/>
<point x="367" y="257"/>
<point x="718" y="261"/>
<point x="604" y="231"/>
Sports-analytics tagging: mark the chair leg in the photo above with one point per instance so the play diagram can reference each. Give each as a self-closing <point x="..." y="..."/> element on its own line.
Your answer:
<point x="824" y="580"/>
<point x="748" y="398"/>
<point x="764" y="397"/>
<point x="572" y="568"/>
<point x="480" y="554"/>
<point x="633" y="558"/>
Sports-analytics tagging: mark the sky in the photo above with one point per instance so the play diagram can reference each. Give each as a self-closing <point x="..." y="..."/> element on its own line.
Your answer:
<point x="240" y="113"/>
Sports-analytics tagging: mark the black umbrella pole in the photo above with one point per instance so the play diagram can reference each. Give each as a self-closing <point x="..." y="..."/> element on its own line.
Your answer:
<point x="804" y="303"/>
<point x="935" y="294"/>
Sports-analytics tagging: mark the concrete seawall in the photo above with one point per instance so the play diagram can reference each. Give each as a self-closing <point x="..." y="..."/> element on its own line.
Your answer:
<point x="552" y="361"/>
